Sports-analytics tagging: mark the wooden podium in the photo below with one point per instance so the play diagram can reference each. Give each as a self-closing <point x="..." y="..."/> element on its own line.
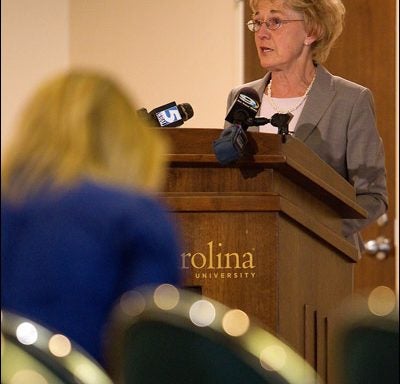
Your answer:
<point x="264" y="235"/>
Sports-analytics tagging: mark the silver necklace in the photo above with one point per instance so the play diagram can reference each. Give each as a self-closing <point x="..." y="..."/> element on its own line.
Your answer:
<point x="277" y="108"/>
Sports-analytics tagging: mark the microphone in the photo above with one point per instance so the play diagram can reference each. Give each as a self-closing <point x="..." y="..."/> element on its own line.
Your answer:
<point x="279" y="120"/>
<point x="168" y="115"/>
<point x="231" y="145"/>
<point x="257" y="121"/>
<point x="245" y="107"/>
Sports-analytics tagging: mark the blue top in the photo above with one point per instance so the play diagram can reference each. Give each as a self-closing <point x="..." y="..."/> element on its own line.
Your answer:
<point x="66" y="258"/>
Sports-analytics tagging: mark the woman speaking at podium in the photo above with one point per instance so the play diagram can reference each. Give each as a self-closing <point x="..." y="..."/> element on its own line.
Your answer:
<point x="331" y="115"/>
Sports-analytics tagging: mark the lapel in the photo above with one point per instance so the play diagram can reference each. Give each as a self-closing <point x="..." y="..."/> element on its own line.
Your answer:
<point x="259" y="86"/>
<point x="318" y="100"/>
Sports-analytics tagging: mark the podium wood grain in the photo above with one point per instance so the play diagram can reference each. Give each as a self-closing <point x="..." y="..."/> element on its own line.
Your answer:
<point x="264" y="235"/>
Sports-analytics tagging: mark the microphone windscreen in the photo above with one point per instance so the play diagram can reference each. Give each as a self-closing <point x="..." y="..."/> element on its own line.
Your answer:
<point x="230" y="146"/>
<point x="186" y="111"/>
<point x="245" y="106"/>
<point x="281" y="119"/>
<point x="250" y="92"/>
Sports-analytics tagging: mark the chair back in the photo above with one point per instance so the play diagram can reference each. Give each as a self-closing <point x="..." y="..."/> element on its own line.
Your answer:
<point x="369" y="351"/>
<point x="31" y="353"/>
<point x="168" y="335"/>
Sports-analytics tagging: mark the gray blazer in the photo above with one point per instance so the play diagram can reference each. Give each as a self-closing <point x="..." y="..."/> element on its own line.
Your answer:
<point x="338" y="123"/>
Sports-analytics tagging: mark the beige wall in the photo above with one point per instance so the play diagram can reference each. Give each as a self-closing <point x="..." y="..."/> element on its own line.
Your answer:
<point x="175" y="50"/>
<point x="162" y="51"/>
<point x="34" y="44"/>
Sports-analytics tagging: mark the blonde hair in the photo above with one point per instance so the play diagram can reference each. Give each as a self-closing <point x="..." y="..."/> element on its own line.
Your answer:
<point x="324" y="18"/>
<point x="82" y="125"/>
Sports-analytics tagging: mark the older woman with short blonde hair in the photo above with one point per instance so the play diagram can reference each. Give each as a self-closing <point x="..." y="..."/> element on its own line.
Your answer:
<point x="333" y="116"/>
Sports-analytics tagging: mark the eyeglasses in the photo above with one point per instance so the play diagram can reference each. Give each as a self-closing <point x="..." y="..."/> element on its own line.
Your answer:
<point x="272" y="23"/>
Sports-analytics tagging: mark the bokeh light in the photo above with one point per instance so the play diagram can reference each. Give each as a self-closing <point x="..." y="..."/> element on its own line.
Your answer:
<point x="381" y="301"/>
<point x="26" y="333"/>
<point x="235" y="322"/>
<point x="59" y="345"/>
<point x="132" y="303"/>
<point x="273" y="357"/>
<point x="166" y="296"/>
<point x="27" y="376"/>
<point x="202" y="313"/>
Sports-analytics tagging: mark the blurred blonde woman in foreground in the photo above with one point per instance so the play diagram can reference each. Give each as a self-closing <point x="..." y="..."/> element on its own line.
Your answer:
<point x="79" y="224"/>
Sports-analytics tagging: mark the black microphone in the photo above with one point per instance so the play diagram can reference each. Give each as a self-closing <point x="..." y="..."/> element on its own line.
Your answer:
<point x="279" y="120"/>
<point x="168" y="115"/>
<point x="231" y="145"/>
<point x="257" y="121"/>
<point x="245" y="107"/>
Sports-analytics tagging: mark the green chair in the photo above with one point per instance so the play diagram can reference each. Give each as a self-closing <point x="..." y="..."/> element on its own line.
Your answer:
<point x="368" y="351"/>
<point x="32" y="354"/>
<point x="169" y="335"/>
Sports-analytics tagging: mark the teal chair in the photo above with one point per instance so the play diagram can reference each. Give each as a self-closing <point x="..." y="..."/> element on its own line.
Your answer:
<point x="30" y="353"/>
<point x="368" y="351"/>
<point x="169" y="335"/>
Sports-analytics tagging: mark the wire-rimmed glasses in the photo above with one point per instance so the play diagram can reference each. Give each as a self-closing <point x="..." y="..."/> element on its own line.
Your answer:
<point x="271" y="23"/>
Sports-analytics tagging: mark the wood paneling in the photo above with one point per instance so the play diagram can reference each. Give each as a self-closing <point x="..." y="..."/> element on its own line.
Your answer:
<point x="365" y="53"/>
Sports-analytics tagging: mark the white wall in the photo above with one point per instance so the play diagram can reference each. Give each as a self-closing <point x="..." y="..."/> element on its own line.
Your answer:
<point x="396" y="221"/>
<point x="162" y="51"/>
<point x="34" y="44"/>
<point x="175" y="50"/>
